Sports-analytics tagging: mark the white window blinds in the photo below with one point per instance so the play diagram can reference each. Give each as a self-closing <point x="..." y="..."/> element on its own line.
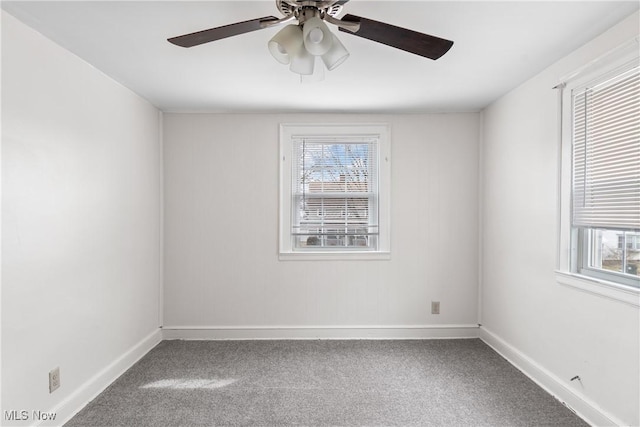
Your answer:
<point x="606" y="152"/>
<point x="335" y="193"/>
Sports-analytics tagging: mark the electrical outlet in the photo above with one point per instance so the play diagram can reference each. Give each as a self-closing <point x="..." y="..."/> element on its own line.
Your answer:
<point x="435" y="307"/>
<point x="54" y="380"/>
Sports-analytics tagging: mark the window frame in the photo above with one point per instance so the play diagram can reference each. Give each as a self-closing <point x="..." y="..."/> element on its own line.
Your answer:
<point x="573" y="243"/>
<point x="289" y="132"/>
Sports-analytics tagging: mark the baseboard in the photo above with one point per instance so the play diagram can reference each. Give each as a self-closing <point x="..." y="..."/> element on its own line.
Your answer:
<point x="319" y="332"/>
<point x="583" y="407"/>
<point x="99" y="382"/>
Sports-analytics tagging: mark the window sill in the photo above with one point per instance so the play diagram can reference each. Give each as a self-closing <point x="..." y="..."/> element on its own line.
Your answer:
<point x="603" y="288"/>
<point x="334" y="256"/>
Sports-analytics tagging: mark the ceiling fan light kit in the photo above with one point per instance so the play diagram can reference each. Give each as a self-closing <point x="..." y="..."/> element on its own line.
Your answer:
<point x="299" y="45"/>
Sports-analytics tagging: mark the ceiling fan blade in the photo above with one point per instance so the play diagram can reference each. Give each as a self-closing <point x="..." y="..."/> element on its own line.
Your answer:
<point x="212" y="34"/>
<point x="408" y="40"/>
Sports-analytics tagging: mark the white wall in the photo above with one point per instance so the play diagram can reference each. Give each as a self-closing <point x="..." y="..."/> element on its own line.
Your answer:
<point x="221" y="232"/>
<point x="561" y="331"/>
<point x="81" y="234"/>
<point x="80" y="221"/>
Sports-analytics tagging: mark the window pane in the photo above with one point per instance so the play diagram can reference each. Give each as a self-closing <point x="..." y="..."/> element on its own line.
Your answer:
<point x="335" y="199"/>
<point x="606" y="253"/>
<point x="632" y="255"/>
<point x="614" y="250"/>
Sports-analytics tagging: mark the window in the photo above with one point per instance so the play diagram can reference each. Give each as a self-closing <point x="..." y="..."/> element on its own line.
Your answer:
<point x="602" y="128"/>
<point x="334" y="191"/>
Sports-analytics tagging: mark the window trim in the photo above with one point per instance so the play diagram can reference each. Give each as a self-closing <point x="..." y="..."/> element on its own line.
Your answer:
<point x="600" y="287"/>
<point x="287" y="133"/>
<point x="570" y="248"/>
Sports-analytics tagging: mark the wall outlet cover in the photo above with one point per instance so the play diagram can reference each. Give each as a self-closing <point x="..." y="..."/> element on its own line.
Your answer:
<point x="435" y="307"/>
<point x="54" y="380"/>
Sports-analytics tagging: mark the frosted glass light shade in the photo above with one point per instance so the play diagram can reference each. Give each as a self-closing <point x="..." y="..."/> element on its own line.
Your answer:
<point x="336" y="55"/>
<point x="286" y="43"/>
<point x="317" y="36"/>
<point x="318" y="72"/>
<point x="302" y="62"/>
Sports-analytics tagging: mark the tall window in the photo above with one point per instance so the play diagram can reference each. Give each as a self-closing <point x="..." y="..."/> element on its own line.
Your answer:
<point x="334" y="190"/>
<point x="605" y="206"/>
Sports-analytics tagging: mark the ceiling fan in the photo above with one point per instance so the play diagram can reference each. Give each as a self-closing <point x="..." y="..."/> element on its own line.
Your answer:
<point x="298" y="45"/>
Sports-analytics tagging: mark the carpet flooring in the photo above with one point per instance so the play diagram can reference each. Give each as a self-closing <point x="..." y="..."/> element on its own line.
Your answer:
<point x="324" y="383"/>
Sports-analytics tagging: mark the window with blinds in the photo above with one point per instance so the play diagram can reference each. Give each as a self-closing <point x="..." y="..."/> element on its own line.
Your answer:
<point x="335" y="199"/>
<point x="335" y="193"/>
<point x="605" y="208"/>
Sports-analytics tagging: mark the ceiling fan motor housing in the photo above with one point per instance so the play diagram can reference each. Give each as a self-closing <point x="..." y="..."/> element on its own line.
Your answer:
<point x="306" y="7"/>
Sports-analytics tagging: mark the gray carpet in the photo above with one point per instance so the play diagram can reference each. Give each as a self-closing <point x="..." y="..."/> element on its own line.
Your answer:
<point x="322" y="383"/>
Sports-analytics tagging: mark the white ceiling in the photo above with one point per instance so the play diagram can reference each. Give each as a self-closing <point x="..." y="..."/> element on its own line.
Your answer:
<point x="498" y="45"/>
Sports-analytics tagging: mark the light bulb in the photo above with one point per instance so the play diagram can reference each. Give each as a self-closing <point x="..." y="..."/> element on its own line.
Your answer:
<point x="315" y="35"/>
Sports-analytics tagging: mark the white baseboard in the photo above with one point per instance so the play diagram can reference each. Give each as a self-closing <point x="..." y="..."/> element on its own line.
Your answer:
<point x="99" y="382"/>
<point x="583" y="407"/>
<point x="319" y="332"/>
